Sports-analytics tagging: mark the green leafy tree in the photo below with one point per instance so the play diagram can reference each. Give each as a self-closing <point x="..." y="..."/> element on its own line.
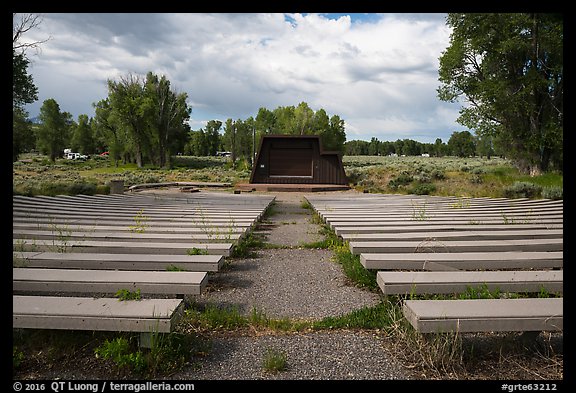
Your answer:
<point x="438" y="147"/>
<point x="213" y="137"/>
<point x="303" y="118"/>
<point x="387" y="148"/>
<point x="334" y="137"/>
<point x="265" y="124"/>
<point x="410" y="147"/>
<point x="23" y="89"/>
<point x="53" y="132"/>
<point x="23" y="92"/>
<point x="462" y="144"/>
<point x="229" y="139"/>
<point x="108" y="130"/>
<point x="197" y="145"/>
<point x="320" y="122"/>
<point x="485" y="146"/>
<point x="23" y="138"/>
<point x="356" y="148"/>
<point x="82" y="137"/>
<point x="285" y="121"/>
<point x="132" y="109"/>
<point x="374" y="147"/>
<point x="244" y="137"/>
<point x="509" y="67"/>
<point x="166" y="111"/>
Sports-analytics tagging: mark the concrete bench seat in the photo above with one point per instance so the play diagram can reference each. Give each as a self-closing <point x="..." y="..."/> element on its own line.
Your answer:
<point x="439" y="216"/>
<point x="92" y="224"/>
<point x="369" y="222"/>
<point x="108" y="314"/>
<point x="241" y="229"/>
<point x="405" y="283"/>
<point x="465" y="261"/>
<point x="387" y="229"/>
<point x="457" y="246"/>
<point x="507" y="234"/>
<point x="128" y="247"/>
<point x="103" y="261"/>
<point x="132" y="236"/>
<point x="127" y="221"/>
<point x="485" y="315"/>
<point x="107" y="281"/>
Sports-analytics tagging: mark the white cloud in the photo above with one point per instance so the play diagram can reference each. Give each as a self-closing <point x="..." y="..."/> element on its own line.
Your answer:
<point x="379" y="75"/>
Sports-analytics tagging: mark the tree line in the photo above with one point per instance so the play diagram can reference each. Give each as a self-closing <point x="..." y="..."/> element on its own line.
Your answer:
<point x="241" y="137"/>
<point x="144" y="121"/>
<point x="461" y="144"/>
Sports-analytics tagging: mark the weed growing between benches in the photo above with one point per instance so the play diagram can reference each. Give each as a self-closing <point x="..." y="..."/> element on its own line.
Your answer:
<point x="117" y="354"/>
<point x="353" y="269"/>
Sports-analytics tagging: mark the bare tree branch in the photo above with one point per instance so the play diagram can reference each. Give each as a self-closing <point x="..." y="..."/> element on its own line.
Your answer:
<point x="21" y="24"/>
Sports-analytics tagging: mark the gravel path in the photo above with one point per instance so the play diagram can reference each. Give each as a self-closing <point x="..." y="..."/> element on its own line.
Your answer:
<point x="316" y="356"/>
<point x="300" y="284"/>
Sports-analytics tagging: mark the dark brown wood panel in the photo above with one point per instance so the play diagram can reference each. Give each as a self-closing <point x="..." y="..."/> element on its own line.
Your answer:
<point x="291" y="162"/>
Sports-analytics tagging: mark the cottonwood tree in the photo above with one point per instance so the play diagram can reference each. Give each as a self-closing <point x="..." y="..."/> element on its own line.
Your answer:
<point x="151" y="113"/>
<point x="168" y="113"/>
<point x="24" y="91"/>
<point x="462" y="144"/>
<point x="509" y="68"/>
<point x="108" y="131"/>
<point x="53" y="133"/>
<point x="82" y="136"/>
<point x="132" y="109"/>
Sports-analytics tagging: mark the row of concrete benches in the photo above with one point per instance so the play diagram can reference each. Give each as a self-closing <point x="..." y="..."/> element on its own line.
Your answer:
<point x="442" y="245"/>
<point x="64" y="246"/>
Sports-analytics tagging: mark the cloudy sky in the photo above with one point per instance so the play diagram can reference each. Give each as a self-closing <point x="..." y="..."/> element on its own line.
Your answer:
<point x="378" y="72"/>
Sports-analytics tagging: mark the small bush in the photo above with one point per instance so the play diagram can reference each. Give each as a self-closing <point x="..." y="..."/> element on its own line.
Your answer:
<point x="125" y="294"/>
<point x="476" y="179"/>
<point x="17" y="357"/>
<point x="274" y="360"/>
<point x="119" y="351"/>
<point x="553" y="192"/>
<point x="438" y="174"/>
<point x="423" y="189"/>
<point x="82" y="188"/>
<point x="521" y="189"/>
<point x="402" y="179"/>
<point x="196" y="251"/>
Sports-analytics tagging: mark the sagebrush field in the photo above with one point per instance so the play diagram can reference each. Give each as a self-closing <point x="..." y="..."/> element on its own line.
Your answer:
<point x="465" y="177"/>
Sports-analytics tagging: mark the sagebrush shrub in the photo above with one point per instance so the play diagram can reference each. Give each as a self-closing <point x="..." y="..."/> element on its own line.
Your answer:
<point x="522" y="189"/>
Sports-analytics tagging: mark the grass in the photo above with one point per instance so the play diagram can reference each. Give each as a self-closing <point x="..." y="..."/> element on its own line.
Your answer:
<point x="140" y="224"/>
<point x="274" y="360"/>
<point x="125" y="294"/>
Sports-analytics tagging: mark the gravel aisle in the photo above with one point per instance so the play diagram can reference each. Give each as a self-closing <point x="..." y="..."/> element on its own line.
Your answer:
<point x="317" y="356"/>
<point x="300" y="284"/>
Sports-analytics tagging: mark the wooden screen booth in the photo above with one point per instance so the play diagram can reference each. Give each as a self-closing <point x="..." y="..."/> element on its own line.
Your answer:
<point x="297" y="159"/>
